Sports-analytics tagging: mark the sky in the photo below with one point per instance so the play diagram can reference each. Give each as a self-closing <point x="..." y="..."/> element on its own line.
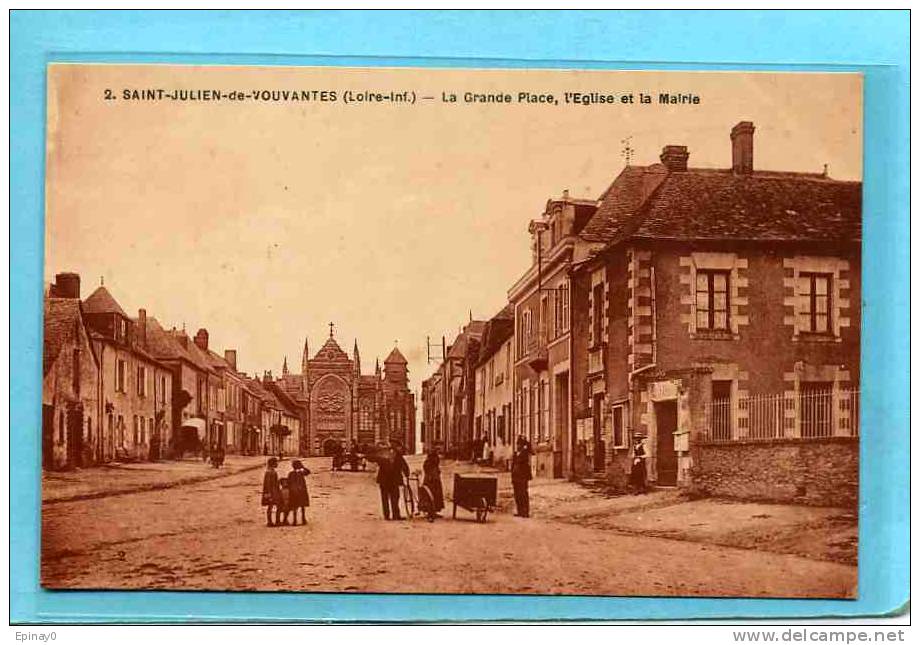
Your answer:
<point x="264" y="221"/>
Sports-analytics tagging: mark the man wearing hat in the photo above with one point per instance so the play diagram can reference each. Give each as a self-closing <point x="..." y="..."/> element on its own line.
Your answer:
<point x="521" y="476"/>
<point x="390" y="474"/>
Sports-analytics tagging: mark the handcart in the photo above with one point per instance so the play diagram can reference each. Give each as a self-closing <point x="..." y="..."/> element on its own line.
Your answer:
<point x="476" y="494"/>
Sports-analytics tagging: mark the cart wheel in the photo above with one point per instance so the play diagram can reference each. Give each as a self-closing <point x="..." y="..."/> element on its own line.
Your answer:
<point x="482" y="511"/>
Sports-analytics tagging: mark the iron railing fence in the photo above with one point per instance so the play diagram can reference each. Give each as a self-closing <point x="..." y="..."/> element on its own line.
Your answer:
<point x="810" y="413"/>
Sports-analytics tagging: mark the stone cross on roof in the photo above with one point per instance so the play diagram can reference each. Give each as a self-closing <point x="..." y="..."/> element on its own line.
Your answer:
<point x="331" y="330"/>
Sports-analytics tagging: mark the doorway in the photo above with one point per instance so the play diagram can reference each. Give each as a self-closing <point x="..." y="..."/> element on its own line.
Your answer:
<point x="665" y="457"/>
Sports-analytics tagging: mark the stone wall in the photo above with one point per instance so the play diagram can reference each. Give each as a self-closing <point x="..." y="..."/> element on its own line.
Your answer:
<point x="816" y="472"/>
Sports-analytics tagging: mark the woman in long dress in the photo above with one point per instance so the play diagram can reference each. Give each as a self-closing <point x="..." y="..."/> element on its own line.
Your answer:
<point x="432" y="479"/>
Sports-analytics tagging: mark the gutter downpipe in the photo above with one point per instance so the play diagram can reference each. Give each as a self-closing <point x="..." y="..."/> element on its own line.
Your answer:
<point x="654" y="363"/>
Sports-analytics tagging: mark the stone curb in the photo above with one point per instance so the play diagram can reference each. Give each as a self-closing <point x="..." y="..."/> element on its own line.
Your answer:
<point x="144" y="488"/>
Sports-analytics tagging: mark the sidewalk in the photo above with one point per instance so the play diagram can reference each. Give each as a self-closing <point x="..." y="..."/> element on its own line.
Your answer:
<point x="819" y="533"/>
<point x="121" y="479"/>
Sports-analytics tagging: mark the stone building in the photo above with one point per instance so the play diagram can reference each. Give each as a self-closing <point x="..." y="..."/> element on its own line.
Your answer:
<point x="191" y="377"/>
<point x="492" y="407"/>
<point x="70" y="381"/>
<point x="718" y="306"/>
<point x="542" y="312"/>
<point x="342" y="405"/>
<point x="134" y="386"/>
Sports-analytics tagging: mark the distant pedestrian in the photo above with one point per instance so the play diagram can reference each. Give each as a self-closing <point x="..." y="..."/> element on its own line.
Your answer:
<point x="271" y="492"/>
<point x="390" y="475"/>
<point x="265" y="450"/>
<point x="637" y="473"/>
<point x="432" y="480"/>
<point x="300" y="496"/>
<point x="521" y="476"/>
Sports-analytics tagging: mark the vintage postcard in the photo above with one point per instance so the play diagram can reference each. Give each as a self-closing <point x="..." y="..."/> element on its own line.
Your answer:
<point x="452" y="331"/>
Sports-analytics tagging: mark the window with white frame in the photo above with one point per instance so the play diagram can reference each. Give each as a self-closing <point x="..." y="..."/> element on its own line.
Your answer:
<point x="815" y="316"/>
<point x="712" y="293"/>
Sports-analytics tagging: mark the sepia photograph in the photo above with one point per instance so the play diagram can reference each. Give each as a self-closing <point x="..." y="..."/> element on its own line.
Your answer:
<point x="452" y="331"/>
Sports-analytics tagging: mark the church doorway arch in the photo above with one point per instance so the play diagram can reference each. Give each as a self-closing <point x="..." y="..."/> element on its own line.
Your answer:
<point x="330" y="446"/>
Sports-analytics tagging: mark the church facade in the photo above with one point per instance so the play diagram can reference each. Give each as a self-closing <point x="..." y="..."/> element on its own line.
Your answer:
<point x="342" y="405"/>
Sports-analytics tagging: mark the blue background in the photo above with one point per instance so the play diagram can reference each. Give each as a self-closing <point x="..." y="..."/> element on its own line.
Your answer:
<point x="875" y="44"/>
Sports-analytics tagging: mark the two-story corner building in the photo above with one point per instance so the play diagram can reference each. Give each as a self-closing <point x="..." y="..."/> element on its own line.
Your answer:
<point x="133" y="384"/>
<point x="724" y="307"/>
<point x="542" y="312"/>
<point x="70" y="381"/>
<point x="189" y="390"/>
<point x="494" y="392"/>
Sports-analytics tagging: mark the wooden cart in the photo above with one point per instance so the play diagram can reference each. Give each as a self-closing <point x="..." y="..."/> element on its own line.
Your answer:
<point x="476" y="494"/>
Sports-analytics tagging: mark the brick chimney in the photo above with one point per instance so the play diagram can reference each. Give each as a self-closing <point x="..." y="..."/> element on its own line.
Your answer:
<point x="230" y="357"/>
<point x="743" y="148"/>
<point x="675" y="158"/>
<point x="201" y="339"/>
<point x="142" y="327"/>
<point x="66" y="285"/>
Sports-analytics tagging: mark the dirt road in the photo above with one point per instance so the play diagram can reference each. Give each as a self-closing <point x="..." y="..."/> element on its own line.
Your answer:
<point x="212" y="535"/>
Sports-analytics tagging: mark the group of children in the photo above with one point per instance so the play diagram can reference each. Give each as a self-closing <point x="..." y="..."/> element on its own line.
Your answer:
<point x="285" y="495"/>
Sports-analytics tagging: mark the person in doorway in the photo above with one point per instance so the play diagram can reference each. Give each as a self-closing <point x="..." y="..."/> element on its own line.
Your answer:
<point x="432" y="479"/>
<point x="390" y="475"/>
<point x="299" y="495"/>
<point x="271" y="492"/>
<point x="637" y="472"/>
<point x="521" y="476"/>
<point x="486" y="451"/>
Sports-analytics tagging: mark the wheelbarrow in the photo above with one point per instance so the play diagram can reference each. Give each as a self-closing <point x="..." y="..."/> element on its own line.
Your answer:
<point x="476" y="494"/>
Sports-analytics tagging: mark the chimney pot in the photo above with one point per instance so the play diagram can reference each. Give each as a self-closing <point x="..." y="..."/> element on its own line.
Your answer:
<point x="674" y="158"/>
<point x="743" y="148"/>
<point x="66" y="285"/>
<point x="201" y="339"/>
<point x="230" y="357"/>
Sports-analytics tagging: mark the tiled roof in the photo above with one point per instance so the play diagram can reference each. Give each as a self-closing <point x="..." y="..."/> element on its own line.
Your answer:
<point x="712" y="204"/>
<point x="62" y="320"/>
<point x="761" y="206"/>
<point x="159" y="342"/>
<point x="498" y="330"/>
<point x="621" y="201"/>
<point x="216" y="361"/>
<point x="101" y="301"/>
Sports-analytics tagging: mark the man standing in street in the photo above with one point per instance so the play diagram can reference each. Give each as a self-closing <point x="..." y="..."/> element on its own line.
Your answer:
<point x="520" y="477"/>
<point x="390" y="474"/>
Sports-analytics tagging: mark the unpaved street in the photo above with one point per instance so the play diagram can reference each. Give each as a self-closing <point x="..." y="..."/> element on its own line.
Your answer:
<point x="212" y="535"/>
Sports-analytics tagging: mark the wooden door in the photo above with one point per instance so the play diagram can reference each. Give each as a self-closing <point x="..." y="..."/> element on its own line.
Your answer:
<point x="665" y="457"/>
